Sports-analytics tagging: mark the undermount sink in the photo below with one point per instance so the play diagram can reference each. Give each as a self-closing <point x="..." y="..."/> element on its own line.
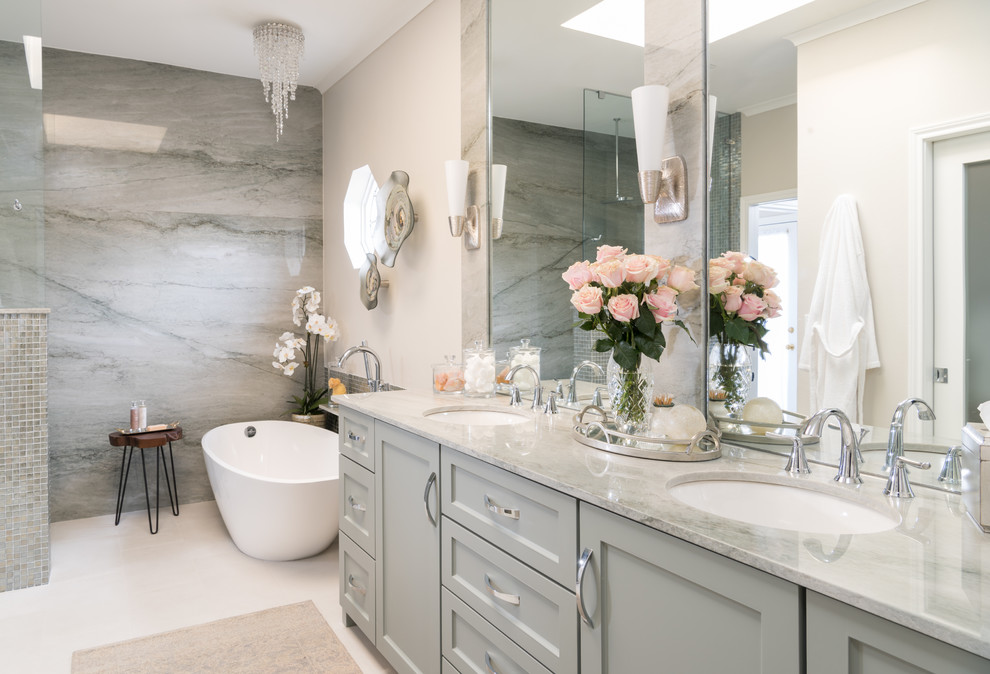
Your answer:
<point x="476" y="416"/>
<point x="781" y="505"/>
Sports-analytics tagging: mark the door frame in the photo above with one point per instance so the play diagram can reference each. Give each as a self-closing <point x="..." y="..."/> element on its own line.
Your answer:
<point x="921" y="210"/>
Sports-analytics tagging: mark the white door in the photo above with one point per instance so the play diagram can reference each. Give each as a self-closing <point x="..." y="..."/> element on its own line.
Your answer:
<point x="956" y="164"/>
<point x="772" y="234"/>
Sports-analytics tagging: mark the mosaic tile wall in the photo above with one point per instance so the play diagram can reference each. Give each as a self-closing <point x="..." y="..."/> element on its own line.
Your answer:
<point x="24" y="543"/>
<point x="726" y="184"/>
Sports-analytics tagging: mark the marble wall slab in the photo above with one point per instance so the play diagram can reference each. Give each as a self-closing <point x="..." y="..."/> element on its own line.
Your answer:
<point x="170" y="273"/>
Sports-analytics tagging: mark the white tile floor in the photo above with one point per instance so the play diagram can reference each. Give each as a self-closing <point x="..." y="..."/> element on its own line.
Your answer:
<point x="112" y="583"/>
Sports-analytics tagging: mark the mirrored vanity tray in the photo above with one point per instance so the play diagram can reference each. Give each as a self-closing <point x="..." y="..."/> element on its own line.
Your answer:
<point x="601" y="433"/>
<point x="739" y="430"/>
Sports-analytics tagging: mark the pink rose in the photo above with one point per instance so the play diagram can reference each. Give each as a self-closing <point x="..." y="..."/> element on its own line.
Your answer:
<point x="760" y="274"/>
<point x="736" y="260"/>
<point x="578" y="274"/>
<point x="773" y="303"/>
<point x="641" y="268"/>
<point x="624" y="308"/>
<point x="610" y="273"/>
<point x="663" y="265"/>
<point x="662" y="303"/>
<point x="732" y="299"/>
<point x="609" y="253"/>
<point x="681" y="279"/>
<point x="718" y="278"/>
<point x="752" y="307"/>
<point x="588" y="300"/>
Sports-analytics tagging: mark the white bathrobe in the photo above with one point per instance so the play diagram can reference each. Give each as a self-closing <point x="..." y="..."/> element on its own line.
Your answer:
<point x="839" y="343"/>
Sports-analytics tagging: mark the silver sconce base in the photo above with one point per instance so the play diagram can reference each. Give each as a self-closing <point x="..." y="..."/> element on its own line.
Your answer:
<point x="666" y="190"/>
<point x="467" y="226"/>
<point x="496" y="228"/>
<point x="456" y="224"/>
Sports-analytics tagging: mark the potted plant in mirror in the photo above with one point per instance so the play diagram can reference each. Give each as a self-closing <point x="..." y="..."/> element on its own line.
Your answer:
<point x="318" y="328"/>
<point x="627" y="299"/>
<point x="740" y="301"/>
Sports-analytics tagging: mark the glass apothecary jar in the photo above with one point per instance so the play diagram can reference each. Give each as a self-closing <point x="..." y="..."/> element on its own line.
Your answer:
<point x="524" y="354"/>
<point x="448" y="377"/>
<point x="479" y="371"/>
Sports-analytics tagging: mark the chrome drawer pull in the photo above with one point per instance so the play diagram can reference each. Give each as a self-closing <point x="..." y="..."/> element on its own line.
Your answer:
<point x="501" y="596"/>
<point x="352" y="437"/>
<point x="426" y="497"/>
<point x="355" y="505"/>
<point x="582" y="567"/>
<point x="354" y="586"/>
<point x="488" y="663"/>
<point x="511" y="513"/>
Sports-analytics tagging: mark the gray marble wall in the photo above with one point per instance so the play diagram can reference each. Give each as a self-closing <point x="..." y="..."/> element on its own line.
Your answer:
<point x="170" y="273"/>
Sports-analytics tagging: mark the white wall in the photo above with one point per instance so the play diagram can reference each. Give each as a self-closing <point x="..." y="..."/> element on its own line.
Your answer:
<point x="860" y="91"/>
<point x="769" y="151"/>
<point x="399" y="110"/>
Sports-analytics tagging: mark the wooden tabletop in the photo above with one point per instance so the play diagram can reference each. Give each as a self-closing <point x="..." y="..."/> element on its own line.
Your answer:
<point x="145" y="440"/>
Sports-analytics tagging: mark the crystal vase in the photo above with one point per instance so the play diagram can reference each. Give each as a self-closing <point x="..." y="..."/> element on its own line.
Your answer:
<point x="730" y="374"/>
<point x="631" y="396"/>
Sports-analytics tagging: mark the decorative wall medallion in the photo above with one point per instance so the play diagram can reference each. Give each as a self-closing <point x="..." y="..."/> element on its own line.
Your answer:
<point x="396" y="217"/>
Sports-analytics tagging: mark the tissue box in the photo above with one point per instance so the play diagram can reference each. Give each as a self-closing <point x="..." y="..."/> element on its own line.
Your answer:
<point x="976" y="473"/>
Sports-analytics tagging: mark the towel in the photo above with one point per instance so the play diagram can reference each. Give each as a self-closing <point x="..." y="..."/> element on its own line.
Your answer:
<point x="840" y="342"/>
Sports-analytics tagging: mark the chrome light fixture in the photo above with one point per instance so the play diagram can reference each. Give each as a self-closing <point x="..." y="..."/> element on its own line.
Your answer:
<point x="662" y="182"/>
<point x="279" y="48"/>
<point x="460" y="224"/>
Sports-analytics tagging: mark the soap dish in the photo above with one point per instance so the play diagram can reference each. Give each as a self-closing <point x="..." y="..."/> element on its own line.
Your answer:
<point x="603" y="434"/>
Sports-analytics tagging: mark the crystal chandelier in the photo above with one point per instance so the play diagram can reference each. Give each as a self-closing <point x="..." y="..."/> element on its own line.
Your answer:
<point x="279" y="48"/>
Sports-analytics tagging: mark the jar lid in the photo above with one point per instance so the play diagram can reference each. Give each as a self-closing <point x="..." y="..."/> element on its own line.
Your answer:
<point x="478" y="348"/>
<point x="524" y="347"/>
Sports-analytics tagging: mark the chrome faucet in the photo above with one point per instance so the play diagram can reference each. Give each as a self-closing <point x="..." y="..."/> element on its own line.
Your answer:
<point x="572" y="392"/>
<point x="374" y="383"/>
<point x="895" y="441"/>
<point x="849" y="456"/>
<point x="537" y="390"/>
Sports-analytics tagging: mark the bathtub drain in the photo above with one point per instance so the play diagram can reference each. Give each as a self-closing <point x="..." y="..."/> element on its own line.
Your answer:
<point x="250" y="431"/>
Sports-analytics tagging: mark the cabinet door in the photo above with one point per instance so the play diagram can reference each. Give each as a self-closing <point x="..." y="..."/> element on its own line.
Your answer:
<point x="659" y="604"/>
<point x="843" y="639"/>
<point x="407" y="550"/>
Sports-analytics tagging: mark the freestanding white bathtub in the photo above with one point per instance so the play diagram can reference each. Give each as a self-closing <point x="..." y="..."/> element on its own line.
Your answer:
<point x="276" y="486"/>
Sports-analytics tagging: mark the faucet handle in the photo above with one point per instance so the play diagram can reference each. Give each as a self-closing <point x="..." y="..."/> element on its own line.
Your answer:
<point x="898" y="485"/>
<point x="596" y="397"/>
<point x="560" y="389"/>
<point x="515" y="398"/>
<point x="551" y="406"/>
<point x="951" y="473"/>
<point x="797" y="462"/>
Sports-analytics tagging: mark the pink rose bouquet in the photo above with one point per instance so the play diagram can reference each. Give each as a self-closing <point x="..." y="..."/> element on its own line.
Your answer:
<point x="628" y="298"/>
<point x="740" y="300"/>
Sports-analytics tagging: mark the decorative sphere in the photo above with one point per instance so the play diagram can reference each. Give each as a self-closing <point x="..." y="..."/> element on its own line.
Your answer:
<point x="763" y="410"/>
<point x="678" y="422"/>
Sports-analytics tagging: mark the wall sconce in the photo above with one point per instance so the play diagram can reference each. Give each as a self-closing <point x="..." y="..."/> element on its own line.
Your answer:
<point x="498" y="199"/>
<point x="457" y="175"/>
<point x="662" y="182"/>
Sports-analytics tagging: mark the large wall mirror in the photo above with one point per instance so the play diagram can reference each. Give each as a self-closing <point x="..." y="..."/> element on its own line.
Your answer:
<point x="877" y="101"/>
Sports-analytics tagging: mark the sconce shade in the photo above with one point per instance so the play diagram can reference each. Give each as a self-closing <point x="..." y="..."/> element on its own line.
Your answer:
<point x="650" y="122"/>
<point x="498" y="190"/>
<point x="457" y="175"/>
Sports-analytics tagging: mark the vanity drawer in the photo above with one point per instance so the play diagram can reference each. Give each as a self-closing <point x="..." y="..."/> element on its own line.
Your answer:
<point x="471" y="644"/>
<point x="356" y="438"/>
<point x="357" y="585"/>
<point x="357" y="504"/>
<point x="532" y="522"/>
<point x="530" y="609"/>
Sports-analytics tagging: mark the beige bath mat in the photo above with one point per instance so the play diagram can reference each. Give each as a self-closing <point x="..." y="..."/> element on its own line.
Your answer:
<point x="292" y="638"/>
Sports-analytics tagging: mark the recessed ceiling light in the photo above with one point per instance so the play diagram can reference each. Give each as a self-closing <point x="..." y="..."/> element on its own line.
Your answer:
<point x="726" y="17"/>
<point x="622" y="20"/>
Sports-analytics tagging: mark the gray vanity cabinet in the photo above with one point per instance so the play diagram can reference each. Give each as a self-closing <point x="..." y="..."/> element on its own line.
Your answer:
<point x="408" y="550"/>
<point x="844" y="639"/>
<point x="658" y="604"/>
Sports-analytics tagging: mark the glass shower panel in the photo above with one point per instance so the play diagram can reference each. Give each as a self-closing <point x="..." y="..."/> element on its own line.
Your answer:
<point x="977" y="219"/>
<point x="22" y="231"/>
<point x="612" y="209"/>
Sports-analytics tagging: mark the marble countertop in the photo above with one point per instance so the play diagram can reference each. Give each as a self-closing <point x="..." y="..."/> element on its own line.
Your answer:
<point x="931" y="573"/>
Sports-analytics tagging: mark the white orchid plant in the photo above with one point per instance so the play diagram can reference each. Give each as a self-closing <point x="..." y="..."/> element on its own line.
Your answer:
<point x="305" y="310"/>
